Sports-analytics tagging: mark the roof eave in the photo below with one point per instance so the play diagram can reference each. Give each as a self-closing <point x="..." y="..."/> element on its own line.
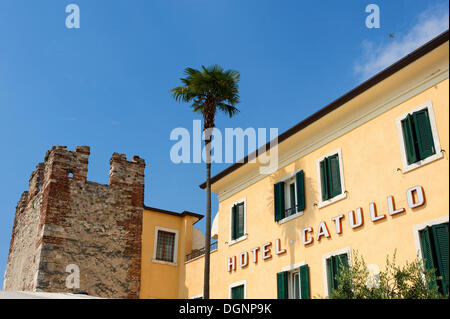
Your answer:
<point x="168" y="212"/>
<point x="379" y="77"/>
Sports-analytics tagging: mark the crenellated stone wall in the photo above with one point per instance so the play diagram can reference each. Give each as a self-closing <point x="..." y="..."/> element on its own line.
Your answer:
<point x="63" y="219"/>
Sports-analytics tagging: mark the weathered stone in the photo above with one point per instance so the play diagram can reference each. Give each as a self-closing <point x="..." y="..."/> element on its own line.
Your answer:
<point x="64" y="219"/>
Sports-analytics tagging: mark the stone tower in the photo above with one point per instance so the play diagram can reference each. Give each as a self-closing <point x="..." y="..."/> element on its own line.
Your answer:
<point x="64" y="223"/>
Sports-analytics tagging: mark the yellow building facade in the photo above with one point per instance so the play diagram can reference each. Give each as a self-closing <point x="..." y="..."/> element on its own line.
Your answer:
<point x="367" y="173"/>
<point x="162" y="268"/>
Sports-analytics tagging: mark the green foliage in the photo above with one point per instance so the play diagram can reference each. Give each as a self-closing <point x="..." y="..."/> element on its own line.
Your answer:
<point x="210" y="89"/>
<point x="410" y="281"/>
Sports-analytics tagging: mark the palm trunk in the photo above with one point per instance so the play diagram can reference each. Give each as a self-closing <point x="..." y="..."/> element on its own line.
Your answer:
<point x="208" y="217"/>
<point x="207" y="232"/>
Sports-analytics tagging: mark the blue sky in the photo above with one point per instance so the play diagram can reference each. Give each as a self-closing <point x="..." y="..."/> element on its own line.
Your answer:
<point x="107" y="84"/>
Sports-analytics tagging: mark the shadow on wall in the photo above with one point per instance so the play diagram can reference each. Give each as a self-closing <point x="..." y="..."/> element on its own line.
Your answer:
<point x="291" y="231"/>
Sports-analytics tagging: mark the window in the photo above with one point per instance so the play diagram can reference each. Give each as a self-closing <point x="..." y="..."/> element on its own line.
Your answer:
<point x="165" y="245"/>
<point x="238" y="221"/>
<point x="290" y="199"/>
<point x="418" y="137"/>
<point x="294" y="284"/>
<point x="335" y="264"/>
<point x="434" y="241"/>
<point x="237" y="290"/>
<point x="331" y="178"/>
<point x="289" y="196"/>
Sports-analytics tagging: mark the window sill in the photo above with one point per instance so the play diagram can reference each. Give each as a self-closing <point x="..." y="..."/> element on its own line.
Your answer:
<point x="156" y="261"/>
<point x="332" y="200"/>
<point x="235" y="241"/>
<point x="293" y="216"/>
<point x="423" y="162"/>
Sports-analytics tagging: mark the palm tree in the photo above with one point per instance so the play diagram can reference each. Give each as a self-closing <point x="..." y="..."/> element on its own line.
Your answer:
<point x="209" y="90"/>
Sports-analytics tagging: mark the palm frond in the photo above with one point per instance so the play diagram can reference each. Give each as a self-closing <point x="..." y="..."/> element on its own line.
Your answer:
<point x="228" y="109"/>
<point x="210" y="87"/>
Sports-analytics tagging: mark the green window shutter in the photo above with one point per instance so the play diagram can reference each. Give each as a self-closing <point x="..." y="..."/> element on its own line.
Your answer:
<point x="335" y="264"/>
<point x="425" y="143"/>
<point x="279" y="201"/>
<point x="334" y="175"/>
<point x="409" y="138"/>
<point x="330" y="275"/>
<point x="304" y="282"/>
<point x="441" y="240"/>
<point x="237" y="221"/>
<point x="237" y="292"/>
<point x="276" y="201"/>
<point x="240" y="220"/>
<point x="282" y="285"/>
<point x="324" y="179"/>
<point x="341" y="262"/>
<point x="300" y="181"/>
<point x="427" y="250"/>
<point x="233" y="293"/>
<point x="233" y="222"/>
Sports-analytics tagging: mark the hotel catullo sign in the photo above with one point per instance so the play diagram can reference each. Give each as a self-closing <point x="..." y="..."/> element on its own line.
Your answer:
<point x="415" y="197"/>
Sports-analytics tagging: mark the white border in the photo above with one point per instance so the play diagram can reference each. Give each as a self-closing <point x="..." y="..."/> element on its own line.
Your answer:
<point x="292" y="269"/>
<point x="289" y="176"/>
<point x="341" y="174"/>
<point x="236" y="284"/>
<point x="234" y="241"/>
<point x="345" y="250"/>
<point x="437" y="145"/>
<point x="291" y="217"/>
<point x="419" y="227"/>
<point x="293" y="266"/>
<point x="196" y="296"/>
<point x="175" y="249"/>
